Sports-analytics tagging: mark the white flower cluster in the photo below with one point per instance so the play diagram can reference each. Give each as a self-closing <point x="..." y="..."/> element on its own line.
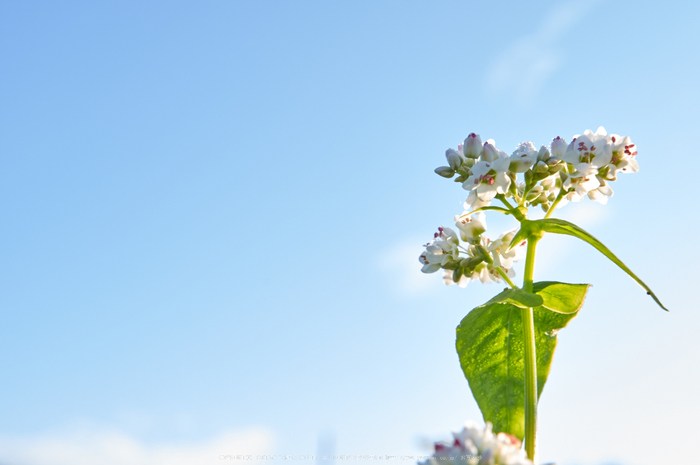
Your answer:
<point x="552" y="175"/>
<point x="474" y="446"/>
<point x="585" y="166"/>
<point x="473" y="258"/>
<point x="593" y="161"/>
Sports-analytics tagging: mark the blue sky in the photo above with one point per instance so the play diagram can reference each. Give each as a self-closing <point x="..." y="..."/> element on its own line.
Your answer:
<point x="212" y="214"/>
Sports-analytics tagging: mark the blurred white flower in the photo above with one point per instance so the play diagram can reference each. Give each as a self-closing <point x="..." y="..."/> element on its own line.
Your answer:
<point x="448" y="279"/>
<point x="473" y="201"/>
<point x="580" y="186"/>
<point x="602" y="192"/>
<point x="474" y="446"/>
<point x="501" y="255"/>
<point x="470" y="225"/>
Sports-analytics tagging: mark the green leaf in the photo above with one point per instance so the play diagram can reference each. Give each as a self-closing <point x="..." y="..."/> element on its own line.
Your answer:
<point x="517" y="297"/>
<point x="557" y="226"/>
<point x="491" y="350"/>
<point x="561" y="297"/>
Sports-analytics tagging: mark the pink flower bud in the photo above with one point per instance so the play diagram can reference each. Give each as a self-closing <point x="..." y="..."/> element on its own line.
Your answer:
<point x="472" y="146"/>
<point x="558" y="147"/>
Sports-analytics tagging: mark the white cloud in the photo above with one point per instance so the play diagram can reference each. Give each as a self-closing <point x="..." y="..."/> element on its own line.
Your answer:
<point x="109" y="447"/>
<point x="400" y="265"/>
<point x="523" y="69"/>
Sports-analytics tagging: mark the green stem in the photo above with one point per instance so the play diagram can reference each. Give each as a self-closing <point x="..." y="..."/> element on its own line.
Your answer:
<point x="530" y="354"/>
<point x="506" y="278"/>
<point x="556" y="202"/>
<point x="526" y="191"/>
<point x="502" y="198"/>
<point x="499" y="209"/>
<point x="519" y="213"/>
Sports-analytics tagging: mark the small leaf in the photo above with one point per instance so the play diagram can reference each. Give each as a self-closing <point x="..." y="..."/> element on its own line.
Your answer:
<point x="527" y="229"/>
<point x="561" y="297"/>
<point x="517" y="297"/>
<point x="557" y="226"/>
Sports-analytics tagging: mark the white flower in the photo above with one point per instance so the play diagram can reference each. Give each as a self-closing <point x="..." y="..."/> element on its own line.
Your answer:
<point x="523" y="157"/>
<point x="623" y="156"/>
<point x="588" y="153"/>
<point x="486" y="273"/>
<point x="431" y="258"/>
<point x="602" y="192"/>
<point x="488" y="178"/>
<point x="473" y="201"/>
<point x="593" y="160"/>
<point x="471" y="225"/>
<point x="581" y="185"/>
<point x="443" y="248"/>
<point x="474" y="446"/>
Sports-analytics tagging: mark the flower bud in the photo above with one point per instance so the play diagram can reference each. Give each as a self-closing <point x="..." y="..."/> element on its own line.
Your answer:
<point x="558" y="147"/>
<point x="445" y="171"/>
<point x="490" y="153"/>
<point x="483" y="253"/>
<point x="472" y="146"/>
<point x="541" y="168"/>
<point x="556" y="167"/>
<point x="454" y="159"/>
<point x="534" y="193"/>
<point x="543" y="154"/>
<point x="451" y="265"/>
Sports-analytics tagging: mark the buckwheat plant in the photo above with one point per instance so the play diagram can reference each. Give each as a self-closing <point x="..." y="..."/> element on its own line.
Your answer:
<point x="505" y="346"/>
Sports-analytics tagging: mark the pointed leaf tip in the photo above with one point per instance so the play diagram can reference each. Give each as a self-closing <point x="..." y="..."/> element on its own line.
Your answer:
<point x="561" y="297"/>
<point x="558" y="226"/>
